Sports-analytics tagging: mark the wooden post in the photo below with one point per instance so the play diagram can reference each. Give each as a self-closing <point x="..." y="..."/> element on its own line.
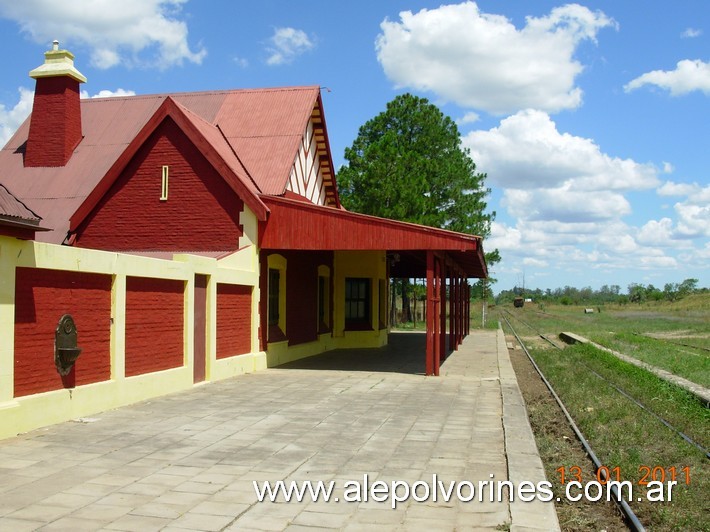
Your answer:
<point x="442" y="311"/>
<point x="437" y="310"/>
<point x="459" y="314"/>
<point x="429" y="361"/>
<point x="468" y="308"/>
<point x="452" y="299"/>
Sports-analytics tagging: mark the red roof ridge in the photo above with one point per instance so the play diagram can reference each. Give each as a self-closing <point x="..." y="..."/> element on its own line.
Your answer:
<point x="206" y="123"/>
<point x="203" y="93"/>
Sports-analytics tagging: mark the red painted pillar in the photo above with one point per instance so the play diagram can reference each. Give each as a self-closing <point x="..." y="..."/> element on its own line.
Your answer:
<point x="468" y="308"/>
<point x="429" y="361"/>
<point x="452" y="299"/>
<point x="437" y="310"/>
<point x="442" y="311"/>
<point x="457" y="311"/>
<point x="460" y="312"/>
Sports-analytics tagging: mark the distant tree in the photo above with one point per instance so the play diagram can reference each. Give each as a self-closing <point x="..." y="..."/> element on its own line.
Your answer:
<point x="407" y="164"/>
<point x="688" y="286"/>
<point x="637" y="293"/>
<point x="670" y="291"/>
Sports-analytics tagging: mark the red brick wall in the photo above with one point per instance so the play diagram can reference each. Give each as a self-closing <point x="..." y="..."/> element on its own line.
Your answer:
<point x="154" y="325"/>
<point x="41" y="298"/>
<point x="201" y="213"/>
<point x="55" y="126"/>
<point x="233" y="320"/>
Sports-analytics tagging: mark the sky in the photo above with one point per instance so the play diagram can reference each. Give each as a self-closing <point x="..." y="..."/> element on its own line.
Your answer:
<point x="591" y="120"/>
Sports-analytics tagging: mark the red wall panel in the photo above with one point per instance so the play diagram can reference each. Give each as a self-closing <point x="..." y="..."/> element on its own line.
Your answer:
<point x="41" y="298"/>
<point x="233" y="320"/>
<point x="302" y="294"/>
<point x="154" y="325"/>
<point x="200" y="214"/>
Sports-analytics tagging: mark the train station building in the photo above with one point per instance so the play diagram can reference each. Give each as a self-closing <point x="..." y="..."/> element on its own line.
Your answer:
<point x="152" y="243"/>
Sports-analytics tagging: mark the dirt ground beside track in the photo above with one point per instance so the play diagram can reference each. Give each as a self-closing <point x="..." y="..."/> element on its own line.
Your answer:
<point x="559" y="447"/>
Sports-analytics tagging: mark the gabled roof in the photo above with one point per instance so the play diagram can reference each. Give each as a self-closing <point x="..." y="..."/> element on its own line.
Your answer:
<point x="13" y="211"/>
<point x="250" y="136"/>
<point x="16" y="220"/>
<point x="203" y="135"/>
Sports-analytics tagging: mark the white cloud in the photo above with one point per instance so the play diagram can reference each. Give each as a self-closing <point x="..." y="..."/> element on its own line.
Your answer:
<point x="241" y="62"/>
<point x="116" y="32"/>
<point x="693" y="220"/>
<point x="667" y="168"/>
<point x="692" y="213"/>
<point x="482" y="61"/>
<point x="526" y="151"/>
<point x="108" y="94"/>
<point x="539" y="263"/>
<point x="559" y="247"/>
<point x="567" y="202"/>
<point x="670" y="188"/>
<point x="690" y="33"/>
<point x="468" y="118"/>
<point x="688" y="76"/>
<point x="286" y="44"/>
<point x="565" y="205"/>
<point x="10" y="119"/>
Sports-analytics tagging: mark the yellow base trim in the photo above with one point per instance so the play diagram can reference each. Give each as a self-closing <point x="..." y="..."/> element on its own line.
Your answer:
<point x="225" y="368"/>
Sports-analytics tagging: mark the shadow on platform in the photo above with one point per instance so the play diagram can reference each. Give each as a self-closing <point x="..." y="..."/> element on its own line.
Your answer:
<point x="405" y="352"/>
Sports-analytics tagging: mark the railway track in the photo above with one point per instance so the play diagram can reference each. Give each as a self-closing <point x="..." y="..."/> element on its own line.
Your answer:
<point x="629" y="515"/>
<point x="623" y="392"/>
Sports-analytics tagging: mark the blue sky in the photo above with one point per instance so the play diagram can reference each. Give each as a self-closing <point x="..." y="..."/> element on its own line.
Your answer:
<point x="591" y="119"/>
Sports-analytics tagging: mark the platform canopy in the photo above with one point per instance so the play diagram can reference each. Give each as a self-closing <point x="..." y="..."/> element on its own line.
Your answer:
<point x="297" y="225"/>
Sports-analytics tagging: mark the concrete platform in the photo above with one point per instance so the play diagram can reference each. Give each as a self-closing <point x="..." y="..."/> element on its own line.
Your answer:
<point x="188" y="461"/>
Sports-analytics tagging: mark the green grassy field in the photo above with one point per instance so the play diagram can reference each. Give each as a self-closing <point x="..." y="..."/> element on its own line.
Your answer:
<point x="624" y="436"/>
<point x="672" y="336"/>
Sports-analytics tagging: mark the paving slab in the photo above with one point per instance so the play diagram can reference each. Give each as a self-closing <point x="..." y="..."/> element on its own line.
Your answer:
<point x="365" y="423"/>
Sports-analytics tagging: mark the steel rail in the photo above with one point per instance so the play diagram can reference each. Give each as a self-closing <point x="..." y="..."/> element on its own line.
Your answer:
<point x="623" y="505"/>
<point x="638" y="403"/>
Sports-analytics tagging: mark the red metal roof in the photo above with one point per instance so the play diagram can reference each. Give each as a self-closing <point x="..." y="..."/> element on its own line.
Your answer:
<point x="13" y="211"/>
<point x="11" y="207"/>
<point x="252" y="137"/>
<point x="294" y="224"/>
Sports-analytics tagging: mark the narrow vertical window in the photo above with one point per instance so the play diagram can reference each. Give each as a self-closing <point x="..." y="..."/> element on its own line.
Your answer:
<point x="164" y="185"/>
<point x="274" y="296"/>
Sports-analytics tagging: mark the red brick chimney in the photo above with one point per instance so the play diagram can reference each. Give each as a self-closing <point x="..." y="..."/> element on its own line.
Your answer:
<point x="55" y="125"/>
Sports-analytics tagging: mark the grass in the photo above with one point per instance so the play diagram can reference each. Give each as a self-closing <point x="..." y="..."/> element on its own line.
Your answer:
<point x="625" y="436"/>
<point x="622" y="434"/>
<point x="672" y="336"/>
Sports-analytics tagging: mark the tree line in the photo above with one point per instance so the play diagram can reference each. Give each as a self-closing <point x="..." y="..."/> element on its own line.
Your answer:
<point x="607" y="294"/>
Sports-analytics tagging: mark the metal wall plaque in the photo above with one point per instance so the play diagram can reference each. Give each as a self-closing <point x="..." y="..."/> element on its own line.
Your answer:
<point x="66" y="350"/>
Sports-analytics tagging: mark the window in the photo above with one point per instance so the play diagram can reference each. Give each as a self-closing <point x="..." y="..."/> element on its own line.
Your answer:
<point x="164" y="185"/>
<point x="357" y="301"/>
<point x="274" y="281"/>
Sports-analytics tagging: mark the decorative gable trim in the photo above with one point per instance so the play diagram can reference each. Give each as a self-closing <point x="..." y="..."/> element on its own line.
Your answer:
<point x="312" y="174"/>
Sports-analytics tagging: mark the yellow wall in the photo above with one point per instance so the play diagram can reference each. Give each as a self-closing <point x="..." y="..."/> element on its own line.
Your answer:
<point x="26" y="413"/>
<point x="370" y="264"/>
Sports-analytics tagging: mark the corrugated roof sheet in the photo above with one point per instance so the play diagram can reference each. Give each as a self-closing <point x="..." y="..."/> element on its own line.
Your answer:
<point x="255" y="131"/>
<point x="13" y="208"/>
